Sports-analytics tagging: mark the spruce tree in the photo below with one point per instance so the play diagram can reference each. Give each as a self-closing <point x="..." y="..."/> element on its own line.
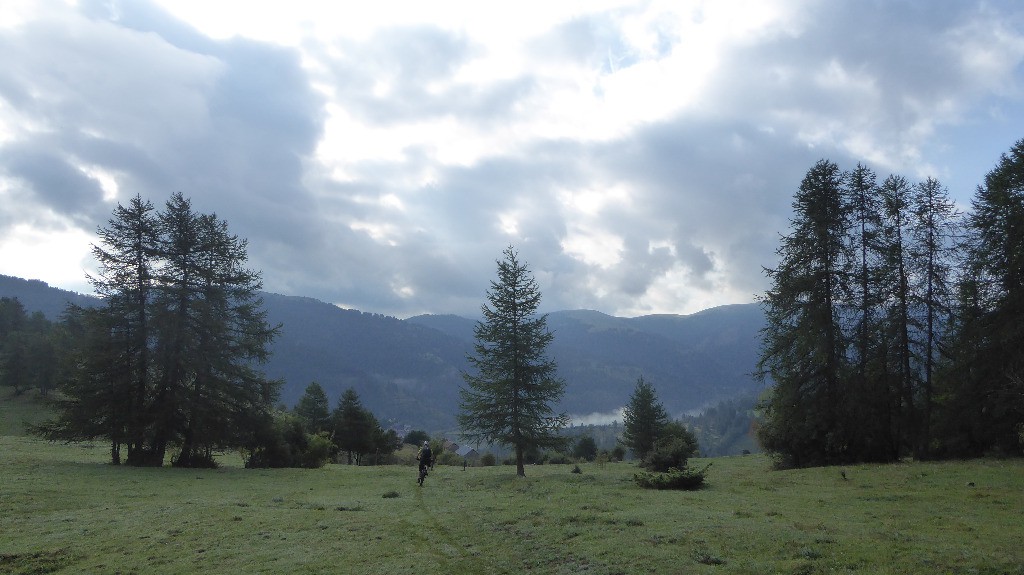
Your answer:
<point x="509" y="399"/>
<point x="354" y="427"/>
<point x="314" y="409"/>
<point x="643" y="419"/>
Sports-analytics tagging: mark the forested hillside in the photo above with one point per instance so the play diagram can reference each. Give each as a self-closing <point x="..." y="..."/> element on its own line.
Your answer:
<point x="408" y="371"/>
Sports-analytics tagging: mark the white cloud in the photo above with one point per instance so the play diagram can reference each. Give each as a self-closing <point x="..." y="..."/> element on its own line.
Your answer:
<point x="641" y="154"/>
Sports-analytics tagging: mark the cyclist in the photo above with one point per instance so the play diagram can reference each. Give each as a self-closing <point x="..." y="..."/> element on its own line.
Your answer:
<point x="426" y="459"/>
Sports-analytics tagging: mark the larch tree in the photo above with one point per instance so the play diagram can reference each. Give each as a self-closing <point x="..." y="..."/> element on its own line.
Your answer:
<point x="935" y="233"/>
<point x="803" y="343"/>
<point x="986" y="386"/>
<point x="213" y="331"/>
<point x="868" y="385"/>
<point x="171" y="358"/>
<point x="899" y="325"/>
<point x="510" y="396"/>
<point x="127" y="258"/>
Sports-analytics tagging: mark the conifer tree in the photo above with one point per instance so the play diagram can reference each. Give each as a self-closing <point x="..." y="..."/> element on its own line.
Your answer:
<point x="803" y="343"/>
<point x="126" y="254"/>
<point x="313" y="408"/>
<point x="643" y="419"/>
<point x="896" y="240"/>
<point x="354" y="427"/>
<point x="985" y="387"/>
<point x="869" y="405"/>
<point x="171" y="358"/>
<point x="935" y="233"/>
<point x="509" y="399"/>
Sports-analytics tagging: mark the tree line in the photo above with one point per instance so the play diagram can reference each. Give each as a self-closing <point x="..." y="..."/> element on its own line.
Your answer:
<point x="29" y="349"/>
<point x="894" y="322"/>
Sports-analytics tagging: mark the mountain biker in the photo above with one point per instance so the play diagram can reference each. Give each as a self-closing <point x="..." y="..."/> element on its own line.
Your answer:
<point x="426" y="459"/>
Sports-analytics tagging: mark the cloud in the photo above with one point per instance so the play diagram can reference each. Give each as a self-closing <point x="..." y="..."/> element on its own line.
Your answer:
<point x="641" y="156"/>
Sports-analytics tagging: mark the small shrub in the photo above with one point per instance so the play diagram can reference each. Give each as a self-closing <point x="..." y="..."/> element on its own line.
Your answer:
<point x="488" y="460"/>
<point x="391" y="495"/>
<point x="448" y="458"/>
<point x="705" y="558"/>
<point x="576" y="469"/>
<point x="672" y="479"/>
<point x="672" y="450"/>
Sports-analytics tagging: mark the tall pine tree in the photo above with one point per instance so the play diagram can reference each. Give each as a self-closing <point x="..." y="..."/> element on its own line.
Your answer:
<point x="984" y="388"/>
<point x="803" y="343"/>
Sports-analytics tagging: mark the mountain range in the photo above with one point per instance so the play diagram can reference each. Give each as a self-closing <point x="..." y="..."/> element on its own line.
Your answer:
<point x="409" y="371"/>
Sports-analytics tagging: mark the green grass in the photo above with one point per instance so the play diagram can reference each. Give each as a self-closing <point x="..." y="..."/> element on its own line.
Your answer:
<point x="18" y="410"/>
<point x="63" y="510"/>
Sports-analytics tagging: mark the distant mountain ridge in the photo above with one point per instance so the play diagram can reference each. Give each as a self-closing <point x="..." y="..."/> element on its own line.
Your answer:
<point x="37" y="295"/>
<point x="409" y="371"/>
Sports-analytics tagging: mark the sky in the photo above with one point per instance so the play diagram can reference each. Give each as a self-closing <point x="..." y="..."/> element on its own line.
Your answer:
<point x="641" y="157"/>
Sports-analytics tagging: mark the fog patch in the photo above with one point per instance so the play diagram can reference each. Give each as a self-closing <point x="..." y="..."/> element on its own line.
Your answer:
<point x="607" y="418"/>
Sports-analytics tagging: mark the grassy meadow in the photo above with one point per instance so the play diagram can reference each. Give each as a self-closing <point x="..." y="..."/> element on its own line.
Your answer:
<point x="64" y="510"/>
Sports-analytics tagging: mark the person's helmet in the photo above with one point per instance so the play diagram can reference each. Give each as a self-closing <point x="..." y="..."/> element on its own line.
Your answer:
<point x="426" y="444"/>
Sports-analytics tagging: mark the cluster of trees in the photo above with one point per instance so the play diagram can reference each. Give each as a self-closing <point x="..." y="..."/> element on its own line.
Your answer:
<point x="894" y="322"/>
<point x="170" y="358"/>
<point x="311" y="434"/>
<point x="29" y="344"/>
<point x="658" y="442"/>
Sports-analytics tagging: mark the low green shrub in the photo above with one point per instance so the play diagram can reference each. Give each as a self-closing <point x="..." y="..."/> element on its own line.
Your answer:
<point x="684" y="479"/>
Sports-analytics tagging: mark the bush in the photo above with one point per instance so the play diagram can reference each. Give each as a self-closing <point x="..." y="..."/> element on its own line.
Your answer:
<point x="317" y="452"/>
<point x="281" y="441"/>
<point x="488" y="460"/>
<point x="672" y="450"/>
<point x="672" y="479"/>
<point x="448" y="458"/>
